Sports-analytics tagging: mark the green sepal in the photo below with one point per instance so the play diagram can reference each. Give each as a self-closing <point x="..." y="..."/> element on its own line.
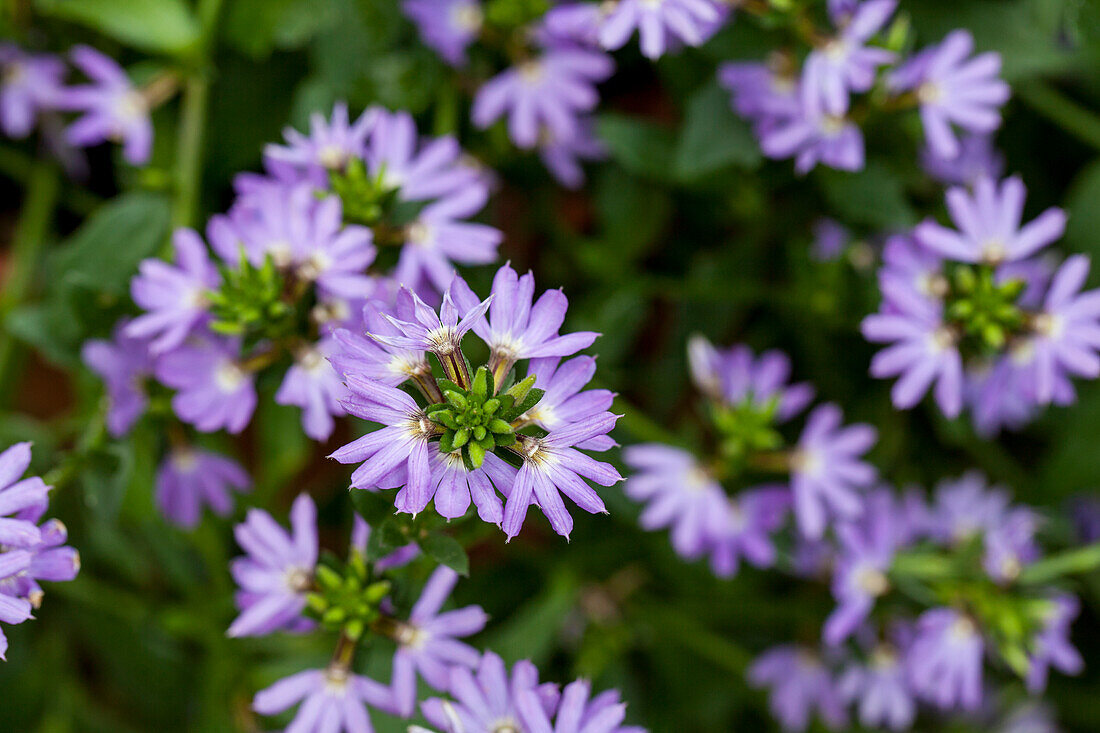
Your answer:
<point x="480" y="387"/>
<point x="476" y="453"/>
<point x="446" y="385"/>
<point x="446" y="418"/>
<point x="447" y="441"/>
<point x="461" y="437"/>
<point x="491" y="406"/>
<point x="480" y="432"/>
<point x="457" y="399"/>
<point x="499" y="426"/>
<point x="503" y="440"/>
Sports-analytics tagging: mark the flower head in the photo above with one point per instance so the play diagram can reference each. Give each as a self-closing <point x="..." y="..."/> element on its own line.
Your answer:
<point x="332" y="700"/>
<point x="880" y="689"/>
<point x="448" y="26"/>
<point x="846" y="63"/>
<point x="944" y="662"/>
<point x="214" y="390"/>
<point x="312" y="384"/>
<point x="564" y="402"/>
<point x="123" y="363"/>
<point x="331" y="143"/>
<point x="800" y="683"/>
<point x="660" y="23"/>
<point x="29" y="85"/>
<point x="189" y="478"/>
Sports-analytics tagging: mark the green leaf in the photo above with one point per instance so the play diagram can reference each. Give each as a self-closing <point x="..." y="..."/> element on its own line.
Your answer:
<point x="1084" y="214"/>
<point x="258" y="27"/>
<point x="873" y="197"/>
<point x="374" y="507"/>
<point x="163" y="26"/>
<point x="639" y="146"/>
<point x="1079" y="560"/>
<point x="713" y="137"/>
<point x="447" y="551"/>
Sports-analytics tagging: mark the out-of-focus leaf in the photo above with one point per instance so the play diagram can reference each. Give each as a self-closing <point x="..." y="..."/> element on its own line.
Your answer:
<point x="372" y="506"/>
<point x="531" y="630"/>
<point x="283" y="445"/>
<point x="163" y="26"/>
<point x="639" y="146"/>
<point x="257" y="27"/>
<point x="873" y="197"/>
<point x="713" y="136"/>
<point x="446" y="550"/>
<point x="106" y="478"/>
<point x="1083" y="206"/>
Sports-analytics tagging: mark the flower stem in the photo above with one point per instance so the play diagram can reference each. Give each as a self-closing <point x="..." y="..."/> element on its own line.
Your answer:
<point x="1061" y="110"/>
<point x="41" y="199"/>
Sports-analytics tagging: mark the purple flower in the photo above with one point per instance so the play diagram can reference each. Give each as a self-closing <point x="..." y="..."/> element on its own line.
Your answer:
<point x="954" y="90"/>
<point x="989" y="225"/>
<point x="845" y="63"/>
<point x="123" y="363"/>
<point x="360" y="535"/>
<point x="881" y="689"/>
<point x="999" y="396"/>
<point x="370" y="358"/>
<point x="453" y="485"/>
<point x="578" y="712"/>
<point x="799" y="683"/>
<point x="563" y="156"/>
<point x="660" y="23"/>
<point x="516" y="329"/>
<point x="438" y="238"/>
<point x="551" y="92"/>
<point x="395" y="455"/>
<point x="966" y="507"/>
<point x="448" y="26"/>
<point x="749" y="520"/>
<point x="867" y="549"/>
<point x="442" y="332"/>
<point x="552" y="465"/>
<point x="564" y="403"/>
<point x="332" y="700"/>
<point x="812" y="137"/>
<point x="489" y="700"/>
<point x="28" y="553"/>
<point x="1052" y="647"/>
<point x="328" y="147"/>
<point x="188" y="478"/>
<point x="276" y="574"/>
<point x="1067" y="333"/>
<point x="174" y="297"/>
<point x="113" y="109"/>
<point x="944" y="662"/>
<point x="827" y="472"/>
<point x="736" y="376"/>
<point x="214" y="390"/>
<point x="312" y="384"/>
<point x="30" y="85"/>
<point x="923" y="349"/>
<point x="760" y="93"/>
<point x="679" y="494"/>
<point x="1010" y="545"/>
<point x="427" y="642"/>
<point x="977" y="158"/>
<point x="830" y="239"/>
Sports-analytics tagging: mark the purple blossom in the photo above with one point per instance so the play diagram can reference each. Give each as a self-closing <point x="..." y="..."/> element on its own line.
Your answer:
<point x="830" y="239"/>
<point x="442" y="332"/>
<point x="923" y="350"/>
<point x="760" y="93"/>
<point x="660" y="23"/>
<point x="799" y="684"/>
<point x="332" y="700"/>
<point x="944" y="662"/>
<point x="113" y="109"/>
<point x="12" y="610"/>
<point x="276" y="574"/>
<point x="1010" y="545"/>
<point x="578" y="712"/>
<point x="360" y="535"/>
<point x="394" y="455"/>
<point x="123" y="363"/>
<point x="312" y="384"/>
<point x="812" y="137"/>
<point x="453" y="485"/>
<point x="563" y="156"/>
<point x="372" y="359"/>
<point x="988" y="224"/>
<point x="214" y="391"/>
<point x="553" y="464"/>
<point x="1052" y="647"/>
<point x="998" y="395"/>
<point x="428" y="641"/>
<point x="977" y="158"/>
<point x="749" y="520"/>
<point x="1067" y="333"/>
<point x="328" y="147"/>
<point x="448" y="26"/>
<point x="736" y="376"/>
<point x="490" y="700"/>
<point x="173" y="296"/>
<point x="679" y="494"/>
<point x="564" y="402"/>
<point x="189" y="478"/>
<point x="515" y="329"/>
<point x="50" y="560"/>
<point x="30" y="85"/>
<point x="952" y="90"/>
<point x="827" y="472"/>
<point x="881" y="691"/>
<point x="550" y="91"/>
<point x="845" y="63"/>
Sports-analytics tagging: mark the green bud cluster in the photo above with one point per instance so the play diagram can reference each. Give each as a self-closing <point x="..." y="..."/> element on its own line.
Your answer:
<point x="475" y="421"/>
<point x="365" y="198"/>
<point x="345" y="599"/>
<point x="984" y="311"/>
<point x="250" y="300"/>
<point x="746" y="428"/>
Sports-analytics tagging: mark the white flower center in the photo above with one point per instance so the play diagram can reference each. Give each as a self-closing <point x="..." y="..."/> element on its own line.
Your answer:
<point x="228" y="376"/>
<point x="467" y="18"/>
<point x="331" y="156"/>
<point x="297" y="580"/>
<point x="994" y="252"/>
<point x="418" y="233"/>
<point x="872" y="581"/>
<point x="530" y="72"/>
<point x="929" y="93"/>
<point x="184" y="460"/>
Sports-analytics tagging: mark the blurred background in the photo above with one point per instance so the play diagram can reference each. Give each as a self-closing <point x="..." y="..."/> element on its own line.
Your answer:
<point x="684" y="229"/>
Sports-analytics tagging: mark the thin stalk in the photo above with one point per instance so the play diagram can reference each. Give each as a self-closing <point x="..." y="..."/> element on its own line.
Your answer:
<point x="43" y="185"/>
<point x="1062" y="111"/>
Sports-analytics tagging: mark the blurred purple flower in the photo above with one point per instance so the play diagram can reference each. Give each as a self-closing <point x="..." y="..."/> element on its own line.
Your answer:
<point x="189" y="478"/>
<point x="30" y="84"/>
<point x="977" y="158"/>
<point x="660" y="23"/>
<point x="331" y="143"/>
<point x="213" y="390"/>
<point x="447" y="26"/>
<point x="944" y="662"/>
<point x="312" y="384"/>
<point x="799" y="684"/>
<point x="1052" y="647"/>
<point x="123" y="363"/>
<point x="845" y="63"/>
<point x="332" y="700"/>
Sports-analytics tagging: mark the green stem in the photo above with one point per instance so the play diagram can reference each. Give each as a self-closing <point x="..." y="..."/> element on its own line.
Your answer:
<point x="1080" y="560"/>
<point x="19" y="166"/>
<point x="43" y="185"/>
<point x="1061" y="110"/>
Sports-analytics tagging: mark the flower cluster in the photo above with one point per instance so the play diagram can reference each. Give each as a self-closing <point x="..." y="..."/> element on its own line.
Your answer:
<point x="976" y="313"/>
<point x="926" y="593"/>
<point x="729" y="505"/>
<point x="474" y="434"/>
<point x="812" y="112"/>
<point x="285" y="587"/>
<point x="291" y="262"/>
<point x="30" y="549"/>
<point x="33" y="91"/>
